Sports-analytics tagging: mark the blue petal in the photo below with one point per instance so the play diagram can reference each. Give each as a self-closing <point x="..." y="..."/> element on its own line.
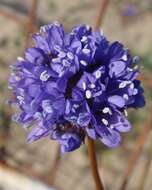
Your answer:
<point x="84" y="119"/>
<point x="111" y="139"/>
<point x="117" y="100"/>
<point x="116" y="68"/>
<point x="122" y="124"/>
<point x="37" y="133"/>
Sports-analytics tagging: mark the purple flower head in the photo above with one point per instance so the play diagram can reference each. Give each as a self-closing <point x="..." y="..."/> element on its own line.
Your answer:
<point x="70" y="85"/>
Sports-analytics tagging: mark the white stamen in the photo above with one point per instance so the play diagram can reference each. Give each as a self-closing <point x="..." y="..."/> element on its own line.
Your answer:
<point x="125" y="96"/>
<point x="107" y="110"/>
<point x="10" y="87"/>
<point x="13" y="74"/>
<point x="105" y="122"/>
<point x="75" y="105"/>
<point x="101" y="32"/>
<point x="124" y="84"/>
<point x="84" y="38"/>
<point x="92" y="85"/>
<point x="56" y="60"/>
<point x="84" y="85"/>
<point x="17" y="78"/>
<point x="129" y="69"/>
<point x="88" y="94"/>
<point x="86" y="51"/>
<point x="61" y="54"/>
<point x="21" y="99"/>
<point x="20" y="59"/>
<point x="44" y="76"/>
<point x="112" y="127"/>
<point x="135" y="91"/>
<point x="124" y="57"/>
<point x="132" y="86"/>
<point x="98" y="74"/>
<point x="87" y="27"/>
<point x="83" y="62"/>
<point x="56" y="23"/>
<point x="42" y="29"/>
<point x="126" y="113"/>
<point x="70" y="55"/>
<point x="136" y="67"/>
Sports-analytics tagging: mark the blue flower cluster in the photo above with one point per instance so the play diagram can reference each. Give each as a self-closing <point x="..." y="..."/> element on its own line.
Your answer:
<point x="77" y="84"/>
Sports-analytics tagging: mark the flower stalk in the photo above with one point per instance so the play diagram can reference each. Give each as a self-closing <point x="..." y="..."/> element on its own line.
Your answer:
<point x="93" y="164"/>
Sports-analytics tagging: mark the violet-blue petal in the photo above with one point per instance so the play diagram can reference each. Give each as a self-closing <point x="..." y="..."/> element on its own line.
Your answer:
<point x="37" y="133"/>
<point x="123" y="125"/>
<point x="116" y="100"/>
<point x="111" y="139"/>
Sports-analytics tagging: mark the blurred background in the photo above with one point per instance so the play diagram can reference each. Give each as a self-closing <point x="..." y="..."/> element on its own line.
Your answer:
<point x="38" y="165"/>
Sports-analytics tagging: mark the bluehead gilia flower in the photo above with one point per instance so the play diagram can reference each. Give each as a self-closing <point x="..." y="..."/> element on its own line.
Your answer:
<point x="70" y="85"/>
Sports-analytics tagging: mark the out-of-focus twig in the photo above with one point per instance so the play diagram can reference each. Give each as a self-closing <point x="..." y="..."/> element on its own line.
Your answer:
<point x="31" y="22"/>
<point x="145" y="173"/>
<point x="11" y="15"/>
<point x="139" y="144"/>
<point x="101" y="13"/>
